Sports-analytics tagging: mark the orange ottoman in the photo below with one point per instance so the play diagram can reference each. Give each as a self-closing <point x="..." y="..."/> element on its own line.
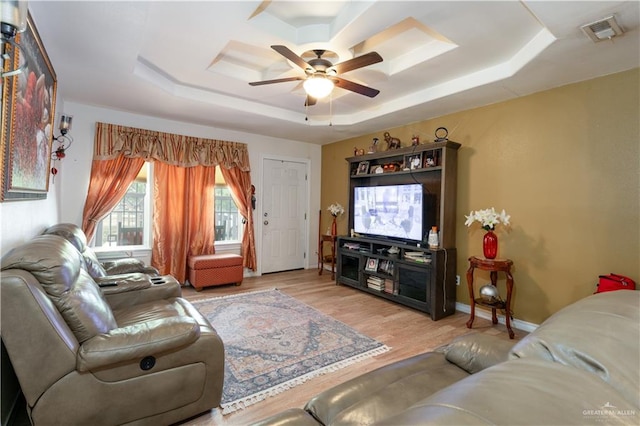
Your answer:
<point x="215" y="269"/>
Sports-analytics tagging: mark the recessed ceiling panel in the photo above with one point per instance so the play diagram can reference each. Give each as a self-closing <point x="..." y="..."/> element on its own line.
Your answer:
<point x="304" y="13"/>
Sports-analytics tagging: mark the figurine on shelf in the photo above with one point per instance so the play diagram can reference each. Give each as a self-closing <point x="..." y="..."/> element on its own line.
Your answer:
<point x="415" y="140"/>
<point x="357" y="151"/>
<point x="392" y="143"/>
<point x="374" y="146"/>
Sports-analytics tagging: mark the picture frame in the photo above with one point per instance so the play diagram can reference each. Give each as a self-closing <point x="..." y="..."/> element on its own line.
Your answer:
<point x="430" y="159"/>
<point x="363" y="168"/>
<point x="372" y="265"/>
<point x="28" y="111"/>
<point x="413" y="161"/>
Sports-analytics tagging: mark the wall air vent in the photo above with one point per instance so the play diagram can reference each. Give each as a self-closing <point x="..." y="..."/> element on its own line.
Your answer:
<point x="602" y="29"/>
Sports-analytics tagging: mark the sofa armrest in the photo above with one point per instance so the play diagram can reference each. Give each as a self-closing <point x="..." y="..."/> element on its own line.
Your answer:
<point x="132" y="289"/>
<point x="122" y="283"/>
<point x="134" y="342"/>
<point x="475" y="352"/>
<point x="128" y="265"/>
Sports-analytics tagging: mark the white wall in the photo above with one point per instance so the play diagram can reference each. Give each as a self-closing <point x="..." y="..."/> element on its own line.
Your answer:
<point x="76" y="167"/>
<point x="23" y="220"/>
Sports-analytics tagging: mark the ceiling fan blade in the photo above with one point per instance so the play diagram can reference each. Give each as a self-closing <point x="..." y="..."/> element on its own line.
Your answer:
<point x="310" y="101"/>
<point x="355" y="87"/>
<point x="359" y="62"/>
<point x="290" y="55"/>
<point x="277" y="80"/>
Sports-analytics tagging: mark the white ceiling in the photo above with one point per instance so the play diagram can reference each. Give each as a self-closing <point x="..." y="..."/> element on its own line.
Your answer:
<point x="192" y="61"/>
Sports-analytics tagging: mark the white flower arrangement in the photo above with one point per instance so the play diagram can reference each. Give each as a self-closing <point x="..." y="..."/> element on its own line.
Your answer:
<point x="336" y="209"/>
<point x="488" y="218"/>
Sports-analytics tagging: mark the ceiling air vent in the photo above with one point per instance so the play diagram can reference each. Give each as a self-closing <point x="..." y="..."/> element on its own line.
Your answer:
<point x="602" y="29"/>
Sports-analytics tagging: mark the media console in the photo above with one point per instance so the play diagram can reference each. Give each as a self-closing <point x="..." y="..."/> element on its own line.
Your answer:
<point x="385" y="207"/>
<point x="413" y="276"/>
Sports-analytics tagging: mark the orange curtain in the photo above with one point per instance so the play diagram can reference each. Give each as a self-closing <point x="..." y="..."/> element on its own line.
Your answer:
<point x="240" y="186"/>
<point x="183" y="215"/>
<point x="184" y="181"/>
<point x="109" y="181"/>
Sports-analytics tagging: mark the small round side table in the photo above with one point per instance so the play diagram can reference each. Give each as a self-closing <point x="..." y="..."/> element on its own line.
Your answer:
<point x="493" y="266"/>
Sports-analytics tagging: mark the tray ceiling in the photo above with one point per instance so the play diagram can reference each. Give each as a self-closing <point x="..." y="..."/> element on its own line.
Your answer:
<point x="192" y="61"/>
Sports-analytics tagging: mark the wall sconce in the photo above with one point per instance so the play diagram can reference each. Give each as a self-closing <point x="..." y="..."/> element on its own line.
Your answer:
<point x="64" y="141"/>
<point x="13" y="20"/>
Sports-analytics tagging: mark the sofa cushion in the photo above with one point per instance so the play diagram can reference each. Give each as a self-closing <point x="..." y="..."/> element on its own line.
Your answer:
<point x="522" y="392"/>
<point x="76" y="236"/>
<point x="51" y="259"/>
<point x="385" y="391"/>
<point x="85" y="309"/>
<point x="56" y="264"/>
<point x="477" y="351"/>
<point x="599" y="334"/>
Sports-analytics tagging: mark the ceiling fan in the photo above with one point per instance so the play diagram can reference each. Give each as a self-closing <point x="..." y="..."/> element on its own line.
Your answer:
<point x="322" y="75"/>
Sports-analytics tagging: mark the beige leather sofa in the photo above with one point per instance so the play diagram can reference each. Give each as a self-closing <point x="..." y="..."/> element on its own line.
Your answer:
<point x="75" y="235"/>
<point x="580" y="367"/>
<point x="136" y="353"/>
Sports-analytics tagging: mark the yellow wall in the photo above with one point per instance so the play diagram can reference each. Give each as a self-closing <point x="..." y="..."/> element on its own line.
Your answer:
<point x="564" y="163"/>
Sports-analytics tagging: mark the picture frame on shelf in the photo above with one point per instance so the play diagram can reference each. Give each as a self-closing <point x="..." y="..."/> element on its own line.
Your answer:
<point x="372" y="265"/>
<point x="413" y="161"/>
<point x="26" y="148"/>
<point x="363" y="168"/>
<point x="430" y="159"/>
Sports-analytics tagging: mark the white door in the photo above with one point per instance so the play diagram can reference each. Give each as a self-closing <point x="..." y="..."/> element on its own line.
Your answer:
<point x="284" y="215"/>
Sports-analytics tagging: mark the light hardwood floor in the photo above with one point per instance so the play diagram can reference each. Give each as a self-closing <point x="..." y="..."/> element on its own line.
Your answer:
<point x="406" y="331"/>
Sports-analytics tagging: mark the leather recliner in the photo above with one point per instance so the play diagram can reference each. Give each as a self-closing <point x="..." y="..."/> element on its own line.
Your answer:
<point x="80" y="360"/>
<point x="75" y="235"/>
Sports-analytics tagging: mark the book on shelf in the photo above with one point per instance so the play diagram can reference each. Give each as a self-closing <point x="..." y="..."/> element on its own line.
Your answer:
<point x="388" y="286"/>
<point x="386" y="266"/>
<point x="379" y="287"/>
<point x="375" y="283"/>
<point x="417" y="256"/>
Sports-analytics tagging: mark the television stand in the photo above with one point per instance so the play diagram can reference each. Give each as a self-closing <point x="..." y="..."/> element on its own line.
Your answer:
<point x="417" y="277"/>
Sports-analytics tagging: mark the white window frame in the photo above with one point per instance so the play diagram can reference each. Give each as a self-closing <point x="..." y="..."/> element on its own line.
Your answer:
<point x="115" y="251"/>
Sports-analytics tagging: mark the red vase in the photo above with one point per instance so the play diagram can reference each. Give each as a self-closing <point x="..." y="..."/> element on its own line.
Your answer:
<point x="334" y="227"/>
<point x="490" y="245"/>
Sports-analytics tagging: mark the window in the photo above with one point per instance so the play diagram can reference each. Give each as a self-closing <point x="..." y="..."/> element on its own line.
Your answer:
<point x="127" y="224"/>
<point x="227" y="218"/>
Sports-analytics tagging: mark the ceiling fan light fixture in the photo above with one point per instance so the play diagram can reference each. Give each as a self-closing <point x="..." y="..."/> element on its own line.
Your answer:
<point x="318" y="86"/>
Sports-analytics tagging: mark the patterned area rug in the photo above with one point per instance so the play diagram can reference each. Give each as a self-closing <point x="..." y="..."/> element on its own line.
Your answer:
<point x="274" y="342"/>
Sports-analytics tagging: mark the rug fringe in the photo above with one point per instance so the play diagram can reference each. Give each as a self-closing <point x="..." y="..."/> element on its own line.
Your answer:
<point x="229" y="296"/>
<point x="242" y="403"/>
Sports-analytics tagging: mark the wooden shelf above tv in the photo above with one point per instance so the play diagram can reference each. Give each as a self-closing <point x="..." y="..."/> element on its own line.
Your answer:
<point x="438" y="179"/>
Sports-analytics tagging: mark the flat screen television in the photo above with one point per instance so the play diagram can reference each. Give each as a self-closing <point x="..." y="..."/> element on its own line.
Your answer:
<point x="393" y="211"/>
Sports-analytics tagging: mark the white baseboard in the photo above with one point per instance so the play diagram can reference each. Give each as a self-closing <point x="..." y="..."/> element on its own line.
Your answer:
<point x="485" y="314"/>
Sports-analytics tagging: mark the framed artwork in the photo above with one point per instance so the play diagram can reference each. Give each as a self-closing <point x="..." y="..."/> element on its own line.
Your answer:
<point x="28" y="111"/>
<point x="363" y="168"/>
<point x="413" y="161"/>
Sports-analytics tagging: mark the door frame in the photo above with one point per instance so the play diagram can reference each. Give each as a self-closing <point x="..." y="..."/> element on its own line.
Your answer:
<point x="260" y="205"/>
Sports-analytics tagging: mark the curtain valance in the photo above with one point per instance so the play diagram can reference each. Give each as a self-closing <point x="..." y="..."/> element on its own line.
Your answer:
<point x="184" y="151"/>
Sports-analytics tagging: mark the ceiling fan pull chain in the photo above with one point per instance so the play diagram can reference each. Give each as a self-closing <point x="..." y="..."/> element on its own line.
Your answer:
<point x="330" y="109"/>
